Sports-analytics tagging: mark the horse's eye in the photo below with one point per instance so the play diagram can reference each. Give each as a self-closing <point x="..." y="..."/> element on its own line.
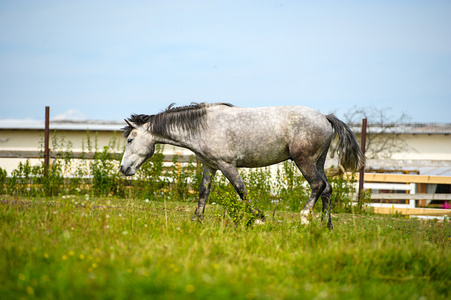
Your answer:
<point x="129" y="141"/>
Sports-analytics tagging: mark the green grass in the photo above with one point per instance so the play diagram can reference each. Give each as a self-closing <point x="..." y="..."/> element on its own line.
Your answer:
<point x="112" y="248"/>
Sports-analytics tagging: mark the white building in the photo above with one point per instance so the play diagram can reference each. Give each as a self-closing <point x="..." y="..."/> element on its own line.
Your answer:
<point x="426" y="151"/>
<point x="427" y="147"/>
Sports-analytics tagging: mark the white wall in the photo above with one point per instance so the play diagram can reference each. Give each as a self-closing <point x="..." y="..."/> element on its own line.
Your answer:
<point x="426" y="147"/>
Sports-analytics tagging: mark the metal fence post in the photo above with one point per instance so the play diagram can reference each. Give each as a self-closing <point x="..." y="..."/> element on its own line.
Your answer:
<point x="46" y="142"/>
<point x="362" y="167"/>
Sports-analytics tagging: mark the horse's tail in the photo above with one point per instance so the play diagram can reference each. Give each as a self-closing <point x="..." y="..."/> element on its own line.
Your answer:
<point x="348" y="149"/>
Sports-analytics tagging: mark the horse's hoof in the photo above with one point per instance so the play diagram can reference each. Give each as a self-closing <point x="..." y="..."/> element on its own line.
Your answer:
<point x="304" y="218"/>
<point x="304" y="221"/>
<point x="197" y="218"/>
<point x="259" y="222"/>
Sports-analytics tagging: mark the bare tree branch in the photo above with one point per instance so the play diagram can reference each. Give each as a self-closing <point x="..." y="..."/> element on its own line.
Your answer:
<point x="382" y="141"/>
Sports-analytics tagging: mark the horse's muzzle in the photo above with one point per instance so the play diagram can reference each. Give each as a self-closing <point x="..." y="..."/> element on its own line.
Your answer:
<point x="127" y="171"/>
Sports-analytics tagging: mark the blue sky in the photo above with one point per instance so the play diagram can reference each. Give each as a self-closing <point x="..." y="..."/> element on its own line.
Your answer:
<point x="104" y="60"/>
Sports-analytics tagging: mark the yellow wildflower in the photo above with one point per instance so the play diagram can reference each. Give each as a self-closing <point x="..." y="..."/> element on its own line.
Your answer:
<point x="30" y="290"/>
<point x="190" y="288"/>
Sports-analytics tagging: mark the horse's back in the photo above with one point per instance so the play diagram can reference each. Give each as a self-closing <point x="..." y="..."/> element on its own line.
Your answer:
<point x="281" y="120"/>
<point x="252" y="137"/>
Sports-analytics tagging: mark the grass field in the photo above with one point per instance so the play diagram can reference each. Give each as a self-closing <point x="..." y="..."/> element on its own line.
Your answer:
<point x="112" y="248"/>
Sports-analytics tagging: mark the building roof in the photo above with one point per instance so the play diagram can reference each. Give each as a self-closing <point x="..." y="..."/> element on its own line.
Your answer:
<point x="435" y="171"/>
<point x="409" y="128"/>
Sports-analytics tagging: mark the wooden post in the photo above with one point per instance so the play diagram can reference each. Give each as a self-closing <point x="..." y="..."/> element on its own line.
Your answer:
<point x="46" y="142"/>
<point x="362" y="167"/>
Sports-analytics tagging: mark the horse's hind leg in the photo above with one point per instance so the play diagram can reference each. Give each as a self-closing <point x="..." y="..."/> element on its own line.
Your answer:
<point x="205" y="187"/>
<point x="317" y="185"/>
<point x="232" y="174"/>
<point x="326" y="199"/>
<point x="327" y="192"/>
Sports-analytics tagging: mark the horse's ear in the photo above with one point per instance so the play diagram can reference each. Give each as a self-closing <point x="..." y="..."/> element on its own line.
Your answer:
<point x="130" y="123"/>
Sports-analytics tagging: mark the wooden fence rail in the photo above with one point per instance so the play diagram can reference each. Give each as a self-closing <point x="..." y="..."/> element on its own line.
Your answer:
<point x="412" y="211"/>
<point x="32" y="154"/>
<point x="403" y="178"/>
<point x="390" y="196"/>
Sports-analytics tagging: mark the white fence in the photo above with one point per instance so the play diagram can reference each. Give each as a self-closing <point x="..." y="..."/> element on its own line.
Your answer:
<point x="407" y="191"/>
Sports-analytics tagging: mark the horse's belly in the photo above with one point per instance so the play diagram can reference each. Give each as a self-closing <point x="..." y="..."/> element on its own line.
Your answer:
<point x="262" y="156"/>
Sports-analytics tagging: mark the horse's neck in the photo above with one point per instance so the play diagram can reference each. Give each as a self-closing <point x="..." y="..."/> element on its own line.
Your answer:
<point x="178" y="139"/>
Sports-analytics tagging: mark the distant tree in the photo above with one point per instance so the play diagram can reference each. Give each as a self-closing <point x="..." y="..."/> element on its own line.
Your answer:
<point x="383" y="138"/>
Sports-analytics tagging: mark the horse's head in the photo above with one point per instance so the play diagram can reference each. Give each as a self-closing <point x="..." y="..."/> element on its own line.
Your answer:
<point x="139" y="147"/>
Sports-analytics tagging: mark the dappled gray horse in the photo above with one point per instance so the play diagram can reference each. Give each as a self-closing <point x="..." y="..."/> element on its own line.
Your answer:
<point x="225" y="137"/>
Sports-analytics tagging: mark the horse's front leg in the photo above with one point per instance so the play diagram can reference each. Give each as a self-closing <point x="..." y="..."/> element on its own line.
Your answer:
<point x="232" y="174"/>
<point x="205" y="187"/>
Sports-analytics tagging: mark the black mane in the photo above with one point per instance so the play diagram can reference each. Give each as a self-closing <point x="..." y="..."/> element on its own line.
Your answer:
<point x="188" y="118"/>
